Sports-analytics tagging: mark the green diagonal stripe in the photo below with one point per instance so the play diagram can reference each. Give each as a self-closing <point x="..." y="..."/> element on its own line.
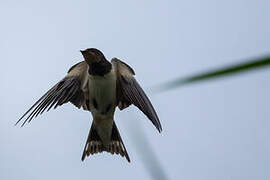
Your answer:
<point x="216" y="73"/>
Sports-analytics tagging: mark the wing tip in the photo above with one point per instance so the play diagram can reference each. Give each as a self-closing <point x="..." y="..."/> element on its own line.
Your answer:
<point x="17" y="122"/>
<point x="159" y="128"/>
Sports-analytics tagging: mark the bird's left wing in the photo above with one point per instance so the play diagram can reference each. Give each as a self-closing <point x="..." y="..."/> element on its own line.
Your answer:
<point x="130" y="92"/>
<point x="70" y="89"/>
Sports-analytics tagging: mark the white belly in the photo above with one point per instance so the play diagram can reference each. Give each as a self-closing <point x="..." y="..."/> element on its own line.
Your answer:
<point x="102" y="94"/>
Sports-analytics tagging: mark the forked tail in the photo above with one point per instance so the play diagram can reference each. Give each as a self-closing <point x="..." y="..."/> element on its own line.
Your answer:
<point x="94" y="144"/>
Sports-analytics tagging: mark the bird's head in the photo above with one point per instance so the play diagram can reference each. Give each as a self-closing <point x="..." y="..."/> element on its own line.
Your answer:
<point x="97" y="63"/>
<point x="92" y="55"/>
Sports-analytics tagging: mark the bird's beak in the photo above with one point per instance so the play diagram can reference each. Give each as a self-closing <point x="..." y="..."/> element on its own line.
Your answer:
<point x="82" y="51"/>
<point x="88" y="56"/>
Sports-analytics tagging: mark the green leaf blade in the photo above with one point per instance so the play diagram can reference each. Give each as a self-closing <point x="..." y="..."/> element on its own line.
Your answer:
<point x="253" y="64"/>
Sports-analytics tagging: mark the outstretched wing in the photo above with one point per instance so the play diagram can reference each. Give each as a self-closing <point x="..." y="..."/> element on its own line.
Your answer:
<point x="129" y="92"/>
<point x="70" y="89"/>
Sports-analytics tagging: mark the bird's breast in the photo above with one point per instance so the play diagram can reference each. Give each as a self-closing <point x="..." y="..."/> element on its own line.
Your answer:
<point x="102" y="94"/>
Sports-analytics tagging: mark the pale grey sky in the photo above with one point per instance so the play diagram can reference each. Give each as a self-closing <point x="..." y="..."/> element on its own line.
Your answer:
<point x="211" y="130"/>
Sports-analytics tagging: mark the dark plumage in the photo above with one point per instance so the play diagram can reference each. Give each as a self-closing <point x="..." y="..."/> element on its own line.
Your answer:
<point x="100" y="68"/>
<point x="99" y="86"/>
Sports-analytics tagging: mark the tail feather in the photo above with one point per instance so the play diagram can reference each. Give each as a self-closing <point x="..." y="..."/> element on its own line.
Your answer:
<point x="94" y="144"/>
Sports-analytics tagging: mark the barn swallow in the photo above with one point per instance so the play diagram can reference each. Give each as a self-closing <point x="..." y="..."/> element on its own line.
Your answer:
<point x="98" y="86"/>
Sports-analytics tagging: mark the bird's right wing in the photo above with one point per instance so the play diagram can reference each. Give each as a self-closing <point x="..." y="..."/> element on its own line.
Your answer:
<point x="70" y="89"/>
<point x="130" y="92"/>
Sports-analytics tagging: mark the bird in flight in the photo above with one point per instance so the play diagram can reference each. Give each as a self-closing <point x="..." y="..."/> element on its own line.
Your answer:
<point x="98" y="86"/>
